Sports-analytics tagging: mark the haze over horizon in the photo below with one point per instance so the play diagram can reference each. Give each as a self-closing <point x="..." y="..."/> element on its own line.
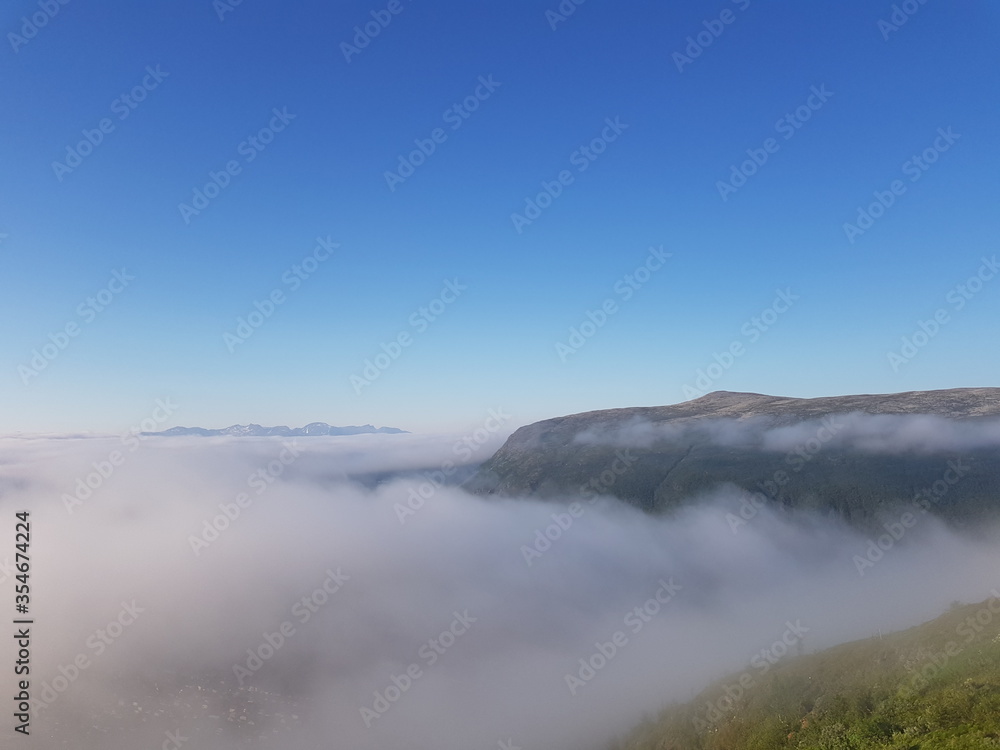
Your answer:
<point x="385" y="192"/>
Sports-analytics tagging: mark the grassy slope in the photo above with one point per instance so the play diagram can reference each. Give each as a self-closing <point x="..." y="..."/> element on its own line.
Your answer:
<point x="860" y="695"/>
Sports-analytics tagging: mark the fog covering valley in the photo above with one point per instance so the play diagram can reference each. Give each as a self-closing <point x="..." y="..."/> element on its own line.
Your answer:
<point x="349" y="592"/>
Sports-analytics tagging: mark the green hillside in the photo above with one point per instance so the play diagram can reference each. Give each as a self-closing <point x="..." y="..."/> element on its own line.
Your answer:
<point x="931" y="687"/>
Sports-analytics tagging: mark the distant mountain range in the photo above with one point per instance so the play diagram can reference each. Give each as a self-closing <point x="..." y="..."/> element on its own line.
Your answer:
<point x="853" y="456"/>
<point x="312" y="429"/>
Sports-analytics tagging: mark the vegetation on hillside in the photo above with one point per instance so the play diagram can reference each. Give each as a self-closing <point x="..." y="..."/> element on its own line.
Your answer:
<point x="931" y="687"/>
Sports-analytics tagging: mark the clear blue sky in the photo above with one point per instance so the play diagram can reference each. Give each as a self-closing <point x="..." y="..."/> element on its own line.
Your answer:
<point x="495" y="345"/>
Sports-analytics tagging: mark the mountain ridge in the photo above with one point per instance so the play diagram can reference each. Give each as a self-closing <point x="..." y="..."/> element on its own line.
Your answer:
<point x="727" y="403"/>
<point x="683" y="450"/>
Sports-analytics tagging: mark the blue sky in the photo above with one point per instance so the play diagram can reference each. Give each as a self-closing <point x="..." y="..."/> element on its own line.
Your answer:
<point x="683" y="125"/>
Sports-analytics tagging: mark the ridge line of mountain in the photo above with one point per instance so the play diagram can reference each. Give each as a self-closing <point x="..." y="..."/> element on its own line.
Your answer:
<point x="890" y="449"/>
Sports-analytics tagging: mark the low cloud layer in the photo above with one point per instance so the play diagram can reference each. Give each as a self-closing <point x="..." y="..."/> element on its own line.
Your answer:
<point x="868" y="433"/>
<point x="399" y="611"/>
